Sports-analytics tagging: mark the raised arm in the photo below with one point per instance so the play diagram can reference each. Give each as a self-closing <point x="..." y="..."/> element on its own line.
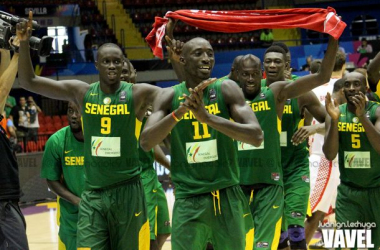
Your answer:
<point x="5" y="60"/>
<point x="309" y="82"/>
<point x="174" y="49"/>
<point x="373" y="72"/>
<point x="7" y="78"/>
<point x="69" y="90"/>
<point x="245" y="127"/>
<point x="331" y="145"/>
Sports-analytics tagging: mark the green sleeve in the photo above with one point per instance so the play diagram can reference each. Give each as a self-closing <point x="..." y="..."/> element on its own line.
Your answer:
<point x="51" y="161"/>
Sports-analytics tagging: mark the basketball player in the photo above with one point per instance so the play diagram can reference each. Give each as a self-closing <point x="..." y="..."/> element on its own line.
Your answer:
<point x="261" y="171"/>
<point x="63" y="169"/>
<point x="112" y="211"/>
<point x="353" y="131"/>
<point x="209" y="205"/>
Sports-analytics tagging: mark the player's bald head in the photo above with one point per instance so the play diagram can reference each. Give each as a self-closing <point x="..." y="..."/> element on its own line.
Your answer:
<point x="194" y="43"/>
<point x="108" y="46"/>
<point x="248" y="59"/>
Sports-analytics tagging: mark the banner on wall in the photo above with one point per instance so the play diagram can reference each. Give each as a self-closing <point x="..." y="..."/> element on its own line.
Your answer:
<point x="49" y="10"/>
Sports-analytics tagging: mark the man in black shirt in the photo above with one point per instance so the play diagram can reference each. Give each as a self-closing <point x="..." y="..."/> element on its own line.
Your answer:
<point x="12" y="222"/>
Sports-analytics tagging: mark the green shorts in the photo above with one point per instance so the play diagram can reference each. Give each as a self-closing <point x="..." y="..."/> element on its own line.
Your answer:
<point x="266" y="206"/>
<point x="67" y="241"/>
<point x="114" y="218"/>
<point x="157" y="205"/>
<point x="296" y="190"/>
<point x="359" y="205"/>
<point x="221" y="217"/>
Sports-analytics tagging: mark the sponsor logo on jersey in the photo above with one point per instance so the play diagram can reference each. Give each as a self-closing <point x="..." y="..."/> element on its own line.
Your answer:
<point x="137" y="214"/>
<point x="262" y="96"/>
<point x="355" y="120"/>
<point x="212" y="95"/>
<point x="296" y="214"/>
<point x="93" y="94"/>
<point x="123" y="96"/>
<point x="305" y="178"/>
<point x="107" y="100"/>
<point x="275" y="176"/>
<point x="66" y="152"/>
<point x="181" y="98"/>
<point x="262" y="244"/>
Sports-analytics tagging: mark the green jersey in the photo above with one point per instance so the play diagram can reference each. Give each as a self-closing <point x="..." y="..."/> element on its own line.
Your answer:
<point x="262" y="165"/>
<point x="63" y="157"/>
<point x="146" y="158"/>
<point x="359" y="163"/>
<point x="291" y="122"/>
<point x="110" y="148"/>
<point x="203" y="159"/>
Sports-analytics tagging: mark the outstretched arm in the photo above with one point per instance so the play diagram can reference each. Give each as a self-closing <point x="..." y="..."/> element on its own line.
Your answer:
<point x="246" y="128"/>
<point x="304" y="84"/>
<point x="7" y="79"/>
<point x="373" y="72"/>
<point x="69" y="90"/>
<point x="331" y="145"/>
<point x="5" y="60"/>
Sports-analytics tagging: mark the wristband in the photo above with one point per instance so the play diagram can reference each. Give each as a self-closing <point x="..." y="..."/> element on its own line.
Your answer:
<point x="175" y="117"/>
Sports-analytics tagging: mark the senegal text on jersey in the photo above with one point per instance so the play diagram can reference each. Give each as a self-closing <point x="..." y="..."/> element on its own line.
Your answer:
<point x="106" y="109"/>
<point x="350" y="127"/>
<point x="260" y="106"/>
<point x="212" y="109"/>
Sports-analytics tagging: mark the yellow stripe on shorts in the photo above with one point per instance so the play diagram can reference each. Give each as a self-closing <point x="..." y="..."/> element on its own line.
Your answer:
<point x="249" y="237"/>
<point x="277" y="235"/>
<point x="144" y="237"/>
<point x="61" y="245"/>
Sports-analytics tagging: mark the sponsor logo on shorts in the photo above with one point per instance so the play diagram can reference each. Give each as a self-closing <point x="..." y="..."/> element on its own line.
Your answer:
<point x="181" y="97"/>
<point x="123" y="96"/>
<point x="276" y="176"/>
<point x="296" y="214"/>
<point x="167" y="223"/>
<point x="305" y="178"/>
<point x="262" y="244"/>
<point x="245" y="215"/>
<point x="275" y="207"/>
<point x="212" y="95"/>
<point x="154" y="190"/>
<point x="137" y="214"/>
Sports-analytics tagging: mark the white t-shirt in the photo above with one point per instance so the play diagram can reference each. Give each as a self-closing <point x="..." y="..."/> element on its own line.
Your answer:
<point x="318" y="139"/>
<point x="35" y="124"/>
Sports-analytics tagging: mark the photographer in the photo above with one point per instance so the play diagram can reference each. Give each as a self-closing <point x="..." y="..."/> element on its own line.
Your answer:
<point x="12" y="222"/>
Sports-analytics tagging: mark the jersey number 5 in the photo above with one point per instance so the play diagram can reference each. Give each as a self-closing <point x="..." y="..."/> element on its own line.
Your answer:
<point x="197" y="136"/>
<point x="106" y="125"/>
<point x="355" y="138"/>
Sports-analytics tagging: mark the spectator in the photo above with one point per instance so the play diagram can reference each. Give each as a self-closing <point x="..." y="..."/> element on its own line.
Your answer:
<point x="365" y="47"/>
<point x="266" y="38"/>
<point x="20" y="117"/>
<point x="10" y="103"/>
<point x="306" y="67"/>
<point x="33" y="124"/>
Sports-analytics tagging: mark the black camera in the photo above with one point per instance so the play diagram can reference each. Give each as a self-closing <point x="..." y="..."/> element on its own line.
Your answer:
<point x="8" y="30"/>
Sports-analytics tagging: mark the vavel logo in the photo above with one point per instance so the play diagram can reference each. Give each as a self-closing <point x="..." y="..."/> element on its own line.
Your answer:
<point x="347" y="238"/>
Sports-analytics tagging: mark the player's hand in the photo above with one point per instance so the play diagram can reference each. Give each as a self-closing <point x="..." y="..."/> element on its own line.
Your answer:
<point x="170" y="27"/>
<point x="204" y="84"/>
<point x="14" y="41"/>
<point x="302" y="134"/>
<point x="24" y="29"/>
<point x="174" y="48"/>
<point x="359" y="101"/>
<point x="288" y="74"/>
<point x="195" y="104"/>
<point x="332" y="107"/>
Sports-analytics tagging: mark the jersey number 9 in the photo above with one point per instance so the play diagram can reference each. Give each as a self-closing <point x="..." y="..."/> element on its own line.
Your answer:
<point x="106" y="125"/>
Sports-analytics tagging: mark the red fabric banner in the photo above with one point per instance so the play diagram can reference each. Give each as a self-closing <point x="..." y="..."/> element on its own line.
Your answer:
<point x="321" y="20"/>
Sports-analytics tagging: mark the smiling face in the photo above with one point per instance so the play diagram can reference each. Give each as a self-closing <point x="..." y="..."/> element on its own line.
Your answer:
<point x="354" y="83"/>
<point x="109" y="64"/>
<point x="274" y="66"/>
<point x="250" y="76"/>
<point x="74" y="118"/>
<point x="198" y="59"/>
